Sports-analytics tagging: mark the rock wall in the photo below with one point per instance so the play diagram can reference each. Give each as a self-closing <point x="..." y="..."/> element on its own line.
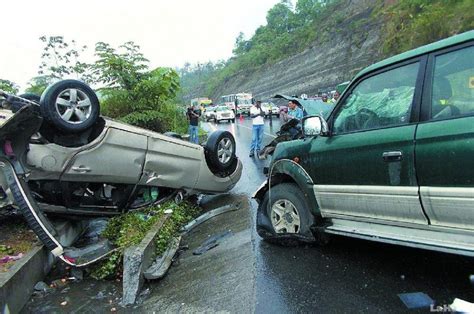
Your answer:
<point x="346" y="49"/>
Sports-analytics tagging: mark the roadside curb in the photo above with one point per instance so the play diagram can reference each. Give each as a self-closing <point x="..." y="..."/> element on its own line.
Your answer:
<point x="16" y="285"/>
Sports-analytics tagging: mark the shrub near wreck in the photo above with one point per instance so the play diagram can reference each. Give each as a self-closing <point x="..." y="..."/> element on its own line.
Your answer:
<point x="130" y="229"/>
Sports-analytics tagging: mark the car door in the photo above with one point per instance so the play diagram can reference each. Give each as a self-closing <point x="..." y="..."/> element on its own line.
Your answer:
<point x="445" y="139"/>
<point x="365" y="168"/>
<point x="118" y="158"/>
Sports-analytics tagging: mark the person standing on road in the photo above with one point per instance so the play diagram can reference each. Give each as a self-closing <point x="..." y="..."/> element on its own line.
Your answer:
<point x="193" y="117"/>
<point x="257" y="114"/>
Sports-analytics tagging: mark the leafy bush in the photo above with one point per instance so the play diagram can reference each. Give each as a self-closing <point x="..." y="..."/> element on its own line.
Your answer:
<point x="413" y="23"/>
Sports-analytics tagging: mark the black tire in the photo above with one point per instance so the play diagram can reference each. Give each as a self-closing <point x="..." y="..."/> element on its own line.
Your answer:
<point x="265" y="222"/>
<point x="216" y="141"/>
<point x="233" y="120"/>
<point x="17" y="105"/>
<point x="81" y="118"/>
<point x="32" y="97"/>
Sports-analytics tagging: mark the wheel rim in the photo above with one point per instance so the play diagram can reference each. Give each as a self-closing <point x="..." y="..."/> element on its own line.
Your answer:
<point x="285" y="217"/>
<point x="225" y="150"/>
<point x="73" y="106"/>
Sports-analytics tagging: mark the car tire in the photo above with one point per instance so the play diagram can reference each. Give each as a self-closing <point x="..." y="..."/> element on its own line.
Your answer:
<point x="285" y="218"/>
<point x="233" y="120"/>
<point x="220" y="151"/>
<point x="17" y="105"/>
<point x="70" y="105"/>
<point x="32" y="97"/>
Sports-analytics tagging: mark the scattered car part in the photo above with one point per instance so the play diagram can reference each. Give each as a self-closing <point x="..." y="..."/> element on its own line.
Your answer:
<point x="212" y="242"/>
<point x="163" y="262"/>
<point x="208" y="215"/>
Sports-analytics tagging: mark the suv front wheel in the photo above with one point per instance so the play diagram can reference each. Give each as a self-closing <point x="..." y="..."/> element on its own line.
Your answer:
<point x="284" y="216"/>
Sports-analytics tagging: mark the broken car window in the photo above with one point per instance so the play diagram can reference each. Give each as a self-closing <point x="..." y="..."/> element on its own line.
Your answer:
<point x="381" y="100"/>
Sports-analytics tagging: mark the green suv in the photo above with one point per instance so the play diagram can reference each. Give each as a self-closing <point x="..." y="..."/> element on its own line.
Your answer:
<point x="393" y="162"/>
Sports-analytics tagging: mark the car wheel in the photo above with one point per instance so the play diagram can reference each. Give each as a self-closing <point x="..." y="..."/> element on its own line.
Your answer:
<point x="70" y="105"/>
<point x="284" y="217"/>
<point x="220" y="150"/>
<point x="233" y="120"/>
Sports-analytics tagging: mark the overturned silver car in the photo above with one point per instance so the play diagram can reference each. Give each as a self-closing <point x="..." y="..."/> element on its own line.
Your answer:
<point x="59" y="156"/>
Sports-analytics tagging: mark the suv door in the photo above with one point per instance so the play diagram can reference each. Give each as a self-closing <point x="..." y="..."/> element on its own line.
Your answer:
<point x="445" y="141"/>
<point x="365" y="168"/>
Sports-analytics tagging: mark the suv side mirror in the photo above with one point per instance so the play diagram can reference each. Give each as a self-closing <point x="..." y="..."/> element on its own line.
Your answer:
<point x="314" y="125"/>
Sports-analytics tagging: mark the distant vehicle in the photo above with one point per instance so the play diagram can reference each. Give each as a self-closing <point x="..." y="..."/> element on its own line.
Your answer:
<point x="209" y="113"/>
<point x="270" y="108"/>
<point x="202" y="102"/>
<point x="243" y="101"/>
<point x="219" y="113"/>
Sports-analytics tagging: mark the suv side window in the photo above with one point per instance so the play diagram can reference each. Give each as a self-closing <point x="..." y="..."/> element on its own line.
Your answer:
<point x="453" y="84"/>
<point x="379" y="101"/>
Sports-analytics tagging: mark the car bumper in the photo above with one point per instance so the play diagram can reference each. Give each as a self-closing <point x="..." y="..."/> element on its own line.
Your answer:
<point x="209" y="183"/>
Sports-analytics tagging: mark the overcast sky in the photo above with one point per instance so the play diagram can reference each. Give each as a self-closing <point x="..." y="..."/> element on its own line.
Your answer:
<point x="169" y="33"/>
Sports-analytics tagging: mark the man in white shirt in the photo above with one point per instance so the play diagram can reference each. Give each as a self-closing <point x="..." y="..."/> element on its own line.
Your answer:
<point x="257" y="114"/>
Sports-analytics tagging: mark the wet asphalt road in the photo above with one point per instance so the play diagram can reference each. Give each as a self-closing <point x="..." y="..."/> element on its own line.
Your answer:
<point x="348" y="275"/>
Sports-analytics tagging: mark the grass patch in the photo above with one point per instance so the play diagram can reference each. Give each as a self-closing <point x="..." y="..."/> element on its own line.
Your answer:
<point x="130" y="229"/>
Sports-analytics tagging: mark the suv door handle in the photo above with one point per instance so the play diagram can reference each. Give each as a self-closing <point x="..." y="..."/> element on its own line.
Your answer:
<point x="81" y="169"/>
<point x="392" y="156"/>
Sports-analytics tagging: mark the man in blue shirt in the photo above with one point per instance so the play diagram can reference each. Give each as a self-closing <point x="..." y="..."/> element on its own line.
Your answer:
<point x="294" y="111"/>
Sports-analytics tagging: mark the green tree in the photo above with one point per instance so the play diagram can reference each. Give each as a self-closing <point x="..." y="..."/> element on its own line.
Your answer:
<point x="38" y="84"/>
<point x="61" y="59"/>
<point x="8" y="86"/>
<point x="119" y="69"/>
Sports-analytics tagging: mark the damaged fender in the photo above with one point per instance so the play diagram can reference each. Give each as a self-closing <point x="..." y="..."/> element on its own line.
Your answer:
<point x="286" y="170"/>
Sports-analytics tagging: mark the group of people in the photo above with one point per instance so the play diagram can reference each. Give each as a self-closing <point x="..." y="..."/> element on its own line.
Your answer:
<point x="257" y="115"/>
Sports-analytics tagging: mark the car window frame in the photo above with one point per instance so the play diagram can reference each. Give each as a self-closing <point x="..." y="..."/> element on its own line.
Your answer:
<point x="417" y="97"/>
<point x="426" y="103"/>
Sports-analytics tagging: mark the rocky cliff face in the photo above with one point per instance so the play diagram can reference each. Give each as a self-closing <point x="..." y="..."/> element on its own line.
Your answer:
<point x="346" y="49"/>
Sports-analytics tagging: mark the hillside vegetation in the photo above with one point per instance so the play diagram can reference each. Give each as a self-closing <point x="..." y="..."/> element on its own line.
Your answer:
<point x="309" y="24"/>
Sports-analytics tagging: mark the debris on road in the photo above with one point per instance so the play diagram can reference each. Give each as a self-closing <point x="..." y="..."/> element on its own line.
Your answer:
<point x="162" y="263"/>
<point x="416" y="300"/>
<point x="212" y="242"/>
<point x="210" y="214"/>
<point x="10" y="258"/>
<point x="461" y="306"/>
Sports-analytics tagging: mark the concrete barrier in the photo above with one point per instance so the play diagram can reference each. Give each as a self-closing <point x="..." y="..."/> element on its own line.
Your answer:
<point x="16" y="285"/>
<point x="136" y="260"/>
